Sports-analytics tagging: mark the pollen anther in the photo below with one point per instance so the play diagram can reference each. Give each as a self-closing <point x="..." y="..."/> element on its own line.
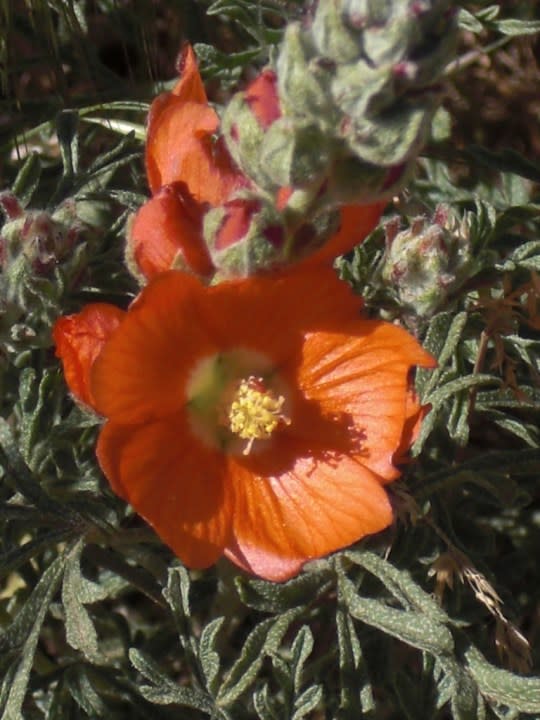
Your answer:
<point x="255" y="411"/>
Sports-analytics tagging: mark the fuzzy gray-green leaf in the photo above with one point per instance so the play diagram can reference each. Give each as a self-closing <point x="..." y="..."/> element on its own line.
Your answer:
<point x="76" y="591"/>
<point x="26" y="628"/>
<point x="414" y="628"/>
<point x="263" y="640"/>
<point x="208" y="655"/>
<point x="502" y="686"/>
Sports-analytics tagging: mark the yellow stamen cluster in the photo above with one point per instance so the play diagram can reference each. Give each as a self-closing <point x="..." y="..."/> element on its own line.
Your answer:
<point x="255" y="412"/>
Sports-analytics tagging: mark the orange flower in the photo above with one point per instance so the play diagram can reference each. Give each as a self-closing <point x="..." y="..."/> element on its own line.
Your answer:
<point x="188" y="172"/>
<point x="79" y="339"/>
<point x="258" y="418"/>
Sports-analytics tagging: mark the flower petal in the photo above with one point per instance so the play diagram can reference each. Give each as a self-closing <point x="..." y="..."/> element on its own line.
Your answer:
<point x="312" y="508"/>
<point x="167" y="230"/>
<point x="173" y="482"/>
<point x="190" y="85"/>
<point x="263" y="99"/>
<point x="414" y="414"/>
<point x="271" y="313"/>
<point x="79" y="340"/>
<point x="142" y="372"/>
<point x="361" y="374"/>
<point x="180" y="148"/>
<point x="357" y="221"/>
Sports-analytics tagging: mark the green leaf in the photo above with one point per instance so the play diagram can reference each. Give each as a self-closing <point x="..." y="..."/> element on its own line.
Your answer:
<point x="163" y="690"/>
<point x="15" y="557"/>
<point x="35" y="396"/>
<point x="307" y="702"/>
<point x="264" y="705"/>
<point x="76" y="592"/>
<point x="527" y="256"/>
<point x="21" y="477"/>
<point x="301" y="650"/>
<point x="177" y="595"/>
<point x="500" y="686"/>
<point x="208" y="656"/>
<point x="356" y="692"/>
<point x="84" y="693"/>
<point x="278" y="597"/>
<point x="67" y="124"/>
<point x="517" y="28"/>
<point x="17" y="632"/>
<point x="263" y="640"/>
<point x="414" y="628"/>
<point x="505" y="161"/>
<point x="442" y="393"/>
<point x="525" y="431"/>
<point x="26" y="629"/>
<point x="399" y="583"/>
<point x="442" y="338"/>
<point x="458" y="420"/>
<point x="177" y="592"/>
<point x="121" y="127"/>
<point x="27" y="179"/>
<point x="491" y="399"/>
<point x="467" y="21"/>
<point x="462" y="690"/>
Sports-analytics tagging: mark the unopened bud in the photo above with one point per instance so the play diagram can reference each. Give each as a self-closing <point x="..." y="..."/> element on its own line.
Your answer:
<point x="246" y="118"/>
<point x="426" y="262"/>
<point x="304" y="80"/>
<point x="294" y="155"/>
<point x="245" y="235"/>
<point x="248" y="235"/>
<point x="39" y="238"/>
<point x="334" y="38"/>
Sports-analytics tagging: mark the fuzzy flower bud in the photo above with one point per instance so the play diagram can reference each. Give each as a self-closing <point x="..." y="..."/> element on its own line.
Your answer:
<point x="244" y="235"/>
<point x="41" y="254"/>
<point x="247" y="234"/>
<point x="35" y="237"/>
<point x="247" y="117"/>
<point x="424" y="264"/>
<point x="357" y="88"/>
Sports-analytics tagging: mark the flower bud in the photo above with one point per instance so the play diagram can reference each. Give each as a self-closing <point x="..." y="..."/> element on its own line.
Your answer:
<point x="249" y="235"/>
<point x="39" y="238"/>
<point x="305" y="80"/>
<point x="426" y="262"/>
<point x="244" y="137"/>
<point x="295" y="155"/>
<point x="356" y="181"/>
<point x="333" y="37"/>
<point x="41" y="254"/>
<point x="245" y="235"/>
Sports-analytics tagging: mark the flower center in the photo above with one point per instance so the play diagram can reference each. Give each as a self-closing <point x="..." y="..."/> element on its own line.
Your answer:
<point x="235" y="398"/>
<point x="255" y="411"/>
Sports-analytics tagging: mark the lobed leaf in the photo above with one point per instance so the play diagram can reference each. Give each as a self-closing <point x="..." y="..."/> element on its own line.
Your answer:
<point x="263" y="640"/>
<point x="414" y="628"/>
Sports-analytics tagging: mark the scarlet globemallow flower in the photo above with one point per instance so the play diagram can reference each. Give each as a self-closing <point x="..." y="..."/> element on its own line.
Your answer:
<point x="258" y="418"/>
<point x="188" y="172"/>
